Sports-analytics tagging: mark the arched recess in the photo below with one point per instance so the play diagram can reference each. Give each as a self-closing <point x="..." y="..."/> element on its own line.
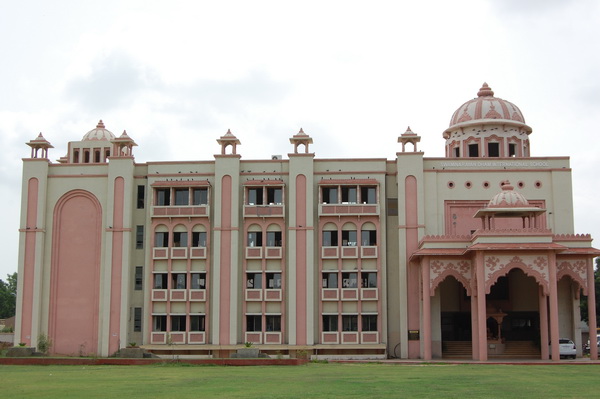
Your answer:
<point x="464" y="281"/>
<point x="518" y="265"/>
<point x="75" y="274"/>
<point x="575" y="271"/>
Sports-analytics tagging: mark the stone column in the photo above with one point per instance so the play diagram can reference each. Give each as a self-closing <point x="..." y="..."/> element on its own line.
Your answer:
<point x="426" y="308"/>
<point x="592" y="309"/>
<point x="543" y="309"/>
<point x="553" y="307"/>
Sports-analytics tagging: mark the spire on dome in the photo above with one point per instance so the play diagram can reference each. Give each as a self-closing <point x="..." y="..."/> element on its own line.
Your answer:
<point x="485" y="91"/>
<point x="100" y="125"/>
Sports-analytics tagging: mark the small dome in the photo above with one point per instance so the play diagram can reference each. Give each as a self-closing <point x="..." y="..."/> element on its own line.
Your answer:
<point x="508" y="198"/>
<point x="487" y="107"/>
<point x="100" y="133"/>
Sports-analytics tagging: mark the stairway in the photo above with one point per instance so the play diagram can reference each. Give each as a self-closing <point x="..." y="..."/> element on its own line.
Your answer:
<point x="457" y="350"/>
<point x="512" y="350"/>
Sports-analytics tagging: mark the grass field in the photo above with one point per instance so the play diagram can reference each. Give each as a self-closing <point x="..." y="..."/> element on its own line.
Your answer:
<point x="314" y="380"/>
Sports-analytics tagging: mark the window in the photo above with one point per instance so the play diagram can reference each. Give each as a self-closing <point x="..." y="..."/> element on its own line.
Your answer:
<point x="330" y="322"/>
<point x="255" y="239"/>
<point x="330" y="238"/>
<point x="161" y="239"/>
<point x="198" y="281"/>
<point x="350" y="322"/>
<point x="139" y="237"/>
<point x="330" y="195"/>
<point x="159" y="323"/>
<point x="253" y="323"/>
<point x="274" y="281"/>
<point x="160" y="281"/>
<point x="141" y="195"/>
<point x="273" y="323"/>
<point x="177" y="323"/>
<point x="199" y="239"/>
<point x="254" y="280"/>
<point x="197" y="323"/>
<point x="369" y="322"/>
<point x="182" y="196"/>
<point x="473" y="150"/>
<point x="179" y="281"/>
<point x="200" y="196"/>
<point x="456" y="152"/>
<point x="330" y="280"/>
<point x="368" y="280"/>
<point x="368" y="238"/>
<point x="274" y="195"/>
<point x="349" y="280"/>
<point x="139" y="278"/>
<point x="349" y="238"/>
<point x="163" y="197"/>
<point x="76" y="156"/>
<point x="273" y="238"/>
<point x="255" y="196"/>
<point x="349" y="195"/>
<point x="493" y="149"/>
<point x="180" y="239"/>
<point x="97" y="156"/>
<point x="137" y="319"/>
<point x="368" y="195"/>
<point x="86" y="156"/>
<point x="512" y="150"/>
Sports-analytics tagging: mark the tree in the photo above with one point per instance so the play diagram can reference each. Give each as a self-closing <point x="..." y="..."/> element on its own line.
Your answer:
<point x="8" y="296"/>
<point x="584" y="299"/>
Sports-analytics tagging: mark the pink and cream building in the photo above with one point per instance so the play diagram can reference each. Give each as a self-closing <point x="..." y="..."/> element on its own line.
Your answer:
<point x="413" y="257"/>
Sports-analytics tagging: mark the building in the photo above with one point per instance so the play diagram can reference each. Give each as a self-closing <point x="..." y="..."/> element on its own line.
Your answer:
<point x="412" y="257"/>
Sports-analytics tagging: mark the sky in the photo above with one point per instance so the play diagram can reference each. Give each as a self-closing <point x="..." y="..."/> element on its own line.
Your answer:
<point x="353" y="74"/>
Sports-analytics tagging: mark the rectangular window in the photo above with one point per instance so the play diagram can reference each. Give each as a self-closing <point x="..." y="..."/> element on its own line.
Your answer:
<point x="349" y="280"/>
<point x="274" y="281"/>
<point x="330" y="280"/>
<point x="368" y="280"/>
<point x="493" y="149"/>
<point x="182" y="196"/>
<point x="197" y="323"/>
<point x="512" y="150"/>
<point x="179" y="281"/>
<point x="368" y="195"/>
<point x="254" y="239"/>
<point x="368" y="238"/>
<point x="369" y="322"/>
<point x="141" y="196"/>
<point x="473" y="150"/>
<point x="330" y="195"/>
<point x="198" y="281"/>
<point x="163" y="197"/>
<point x="254" y="281"/>
<point x="255" y="196"/>
<point x="159" y="323"/>
<point x="161" y="239"/>
<point x="139" y="278"/>
<point x="349" y="195"/>
<point x="456" y="152"/>
<point x="274" y="195"/>
<point x="199" y="239"/>
<point x="200" y="196"/>
<point x="180" y="239"/>
<point x="253" y="323"/>
<point x="349" y="322"/>
<point x="139" y="237"/>
<point x="160" y="281"/>
<point x="349" y="238"/>
<point x="178" y="323"/>
<point x="137" y="319"/>
<point x="330" y="322"/>
<point x="273" y="238"/>
<point x="330" y="238"/>
<point x="97" y="156"/>
<point x="273" y="322"/>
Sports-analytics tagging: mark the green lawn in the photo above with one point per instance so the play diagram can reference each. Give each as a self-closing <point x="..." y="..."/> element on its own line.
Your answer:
<point x="310" y="381"/>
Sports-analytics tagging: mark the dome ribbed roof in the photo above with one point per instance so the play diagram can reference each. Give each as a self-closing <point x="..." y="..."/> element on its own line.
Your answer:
<point x="508" y="198"/>
<point x="100" y="133"/>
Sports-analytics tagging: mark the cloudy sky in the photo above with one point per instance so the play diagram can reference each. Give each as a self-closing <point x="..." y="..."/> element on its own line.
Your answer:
<point x="353" y="74"/>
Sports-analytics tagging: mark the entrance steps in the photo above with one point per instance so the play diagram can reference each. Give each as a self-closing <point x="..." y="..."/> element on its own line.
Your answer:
<point x="512" y="350"/>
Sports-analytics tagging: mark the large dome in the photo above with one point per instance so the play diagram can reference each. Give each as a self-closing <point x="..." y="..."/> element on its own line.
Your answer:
<point x="486" y="107"/>
<point x="100" y="133"/>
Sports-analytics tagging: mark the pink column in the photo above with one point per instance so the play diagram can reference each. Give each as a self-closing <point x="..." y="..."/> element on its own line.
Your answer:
<point x="412" y="273"/>
<point x="543" y="308"/>
<point x="592" y="309"/>
<point x="553" y="307"/>
<point x="426" y="309"/>
<point x="29" y="262"/>
<point x="474" y="328"/>
<point x="117" y="266"/>
<point x="481" y="310"/>
<point x="225" y="252"/>
<point x="301" y="261"/>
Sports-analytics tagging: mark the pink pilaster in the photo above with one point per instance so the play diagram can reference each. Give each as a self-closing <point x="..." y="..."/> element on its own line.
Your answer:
<point x="543" y="307"/>
<point x="29" y="261"/>
<point x="412" y="273"/>
<point x="225" y="250"/>
<point x="117" y="265"/>
<point x="481" y="310"/>
<point x="474" y="329"/>
<point x="301" y="246"/>
<point x="553" y="308"/>
<point x="426" y="309"/>
<point x="592" y="309"/>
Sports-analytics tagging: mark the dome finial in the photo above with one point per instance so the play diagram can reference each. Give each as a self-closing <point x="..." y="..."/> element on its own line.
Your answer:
<point x="100" y="125"/>
<point x="485" y="91"/>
